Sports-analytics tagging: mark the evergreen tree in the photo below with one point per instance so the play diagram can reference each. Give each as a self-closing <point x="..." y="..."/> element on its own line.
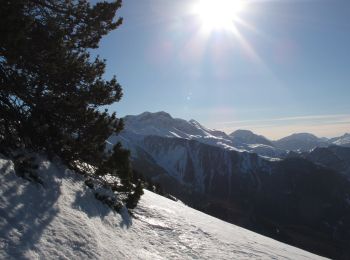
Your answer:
<point x="135" y="196"/>
<point x="117" y="164"/>
<point x="159" y="189"/>
<point x="50" y="87"/>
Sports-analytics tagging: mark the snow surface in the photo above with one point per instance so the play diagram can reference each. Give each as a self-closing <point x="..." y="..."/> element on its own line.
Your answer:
<point x="61" y="219"/>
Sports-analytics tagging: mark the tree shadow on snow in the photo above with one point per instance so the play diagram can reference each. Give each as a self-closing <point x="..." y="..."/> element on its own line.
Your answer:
<point x="126" y="218"/>
<point x="27" y="208"/>
<point x="85" y="201"/>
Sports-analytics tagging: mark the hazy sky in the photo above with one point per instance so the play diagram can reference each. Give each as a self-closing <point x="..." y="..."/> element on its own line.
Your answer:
<point x="285" y="68"/>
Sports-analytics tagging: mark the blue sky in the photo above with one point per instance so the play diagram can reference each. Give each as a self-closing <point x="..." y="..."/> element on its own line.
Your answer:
<point x="287" y="70"/>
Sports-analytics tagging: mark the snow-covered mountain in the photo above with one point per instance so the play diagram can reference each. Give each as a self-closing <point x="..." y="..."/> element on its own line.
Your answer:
<point x="205" y="168"/>
<point x="343" y="140"/>
<point x="305" y="142"/>
<point x="61" y="219"/>
<point x="248" y="141"/>
<point x="300" y="142"/>
<point x="162" y="124"/>
<point x="248" y="137"/>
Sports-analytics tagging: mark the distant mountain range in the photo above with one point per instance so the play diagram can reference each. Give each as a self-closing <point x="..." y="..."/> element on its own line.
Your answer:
<point x="162" y="124"/>
<point x="295" y="189"/>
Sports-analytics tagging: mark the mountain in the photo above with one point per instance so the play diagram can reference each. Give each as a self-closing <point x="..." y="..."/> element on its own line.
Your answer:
<point x="61" y="219"/>
<point x="300" y="142"/>
<point x="246" y="140"/>
<point x="303" y="142"/>
<point x="334" y="157"/>
<point x="343" y="140"/>
<point x="248" y="137"/>
<point x="292" y="200"/>
<point x="164" y="125"/>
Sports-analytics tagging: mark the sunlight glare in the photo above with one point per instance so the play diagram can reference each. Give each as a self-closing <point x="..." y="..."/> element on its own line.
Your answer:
<point x="219" y="14"/>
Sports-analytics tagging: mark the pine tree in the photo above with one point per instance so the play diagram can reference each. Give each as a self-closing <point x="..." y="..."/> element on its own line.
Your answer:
<point x="135" y="196"/>
<point x="51" y="89"/>
<point x="117" y="164"/>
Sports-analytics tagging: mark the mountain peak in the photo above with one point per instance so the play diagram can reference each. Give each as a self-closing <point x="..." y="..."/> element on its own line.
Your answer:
<point x="155" y="115"/>
<point x="242" y="132"/>
<point x="248" y="137"/>
<point x="343" y="140"/>
<point x="303" y="135"/>
<point x="163" y="124"/>
<point x="300" y="142"/>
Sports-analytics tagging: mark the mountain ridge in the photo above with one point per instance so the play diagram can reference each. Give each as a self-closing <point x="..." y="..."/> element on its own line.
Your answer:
<point x="163" y="124"/>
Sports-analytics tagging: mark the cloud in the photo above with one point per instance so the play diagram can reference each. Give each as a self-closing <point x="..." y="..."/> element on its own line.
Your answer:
<point x="320" y="125"/>
<point x="294" y="118"/>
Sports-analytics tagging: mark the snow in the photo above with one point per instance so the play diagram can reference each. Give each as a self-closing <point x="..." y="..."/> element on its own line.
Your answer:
<point x="61" y="219"/>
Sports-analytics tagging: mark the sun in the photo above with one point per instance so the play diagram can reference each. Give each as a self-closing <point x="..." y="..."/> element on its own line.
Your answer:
<point x="219" y="14"/>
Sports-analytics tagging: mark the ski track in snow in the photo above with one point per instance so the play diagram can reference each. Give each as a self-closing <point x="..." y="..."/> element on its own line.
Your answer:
<point x="63" y="220"/>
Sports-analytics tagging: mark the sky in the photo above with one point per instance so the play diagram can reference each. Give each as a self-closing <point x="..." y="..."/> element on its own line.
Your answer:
<point x="283" y="66"/>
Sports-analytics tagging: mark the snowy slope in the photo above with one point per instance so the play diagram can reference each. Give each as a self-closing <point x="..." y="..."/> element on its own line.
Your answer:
<point x="63" y="220"/>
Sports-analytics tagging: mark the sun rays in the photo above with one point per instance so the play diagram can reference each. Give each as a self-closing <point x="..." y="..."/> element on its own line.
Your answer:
<point x="219" y="14"/>
<point x="225" y="19"/>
